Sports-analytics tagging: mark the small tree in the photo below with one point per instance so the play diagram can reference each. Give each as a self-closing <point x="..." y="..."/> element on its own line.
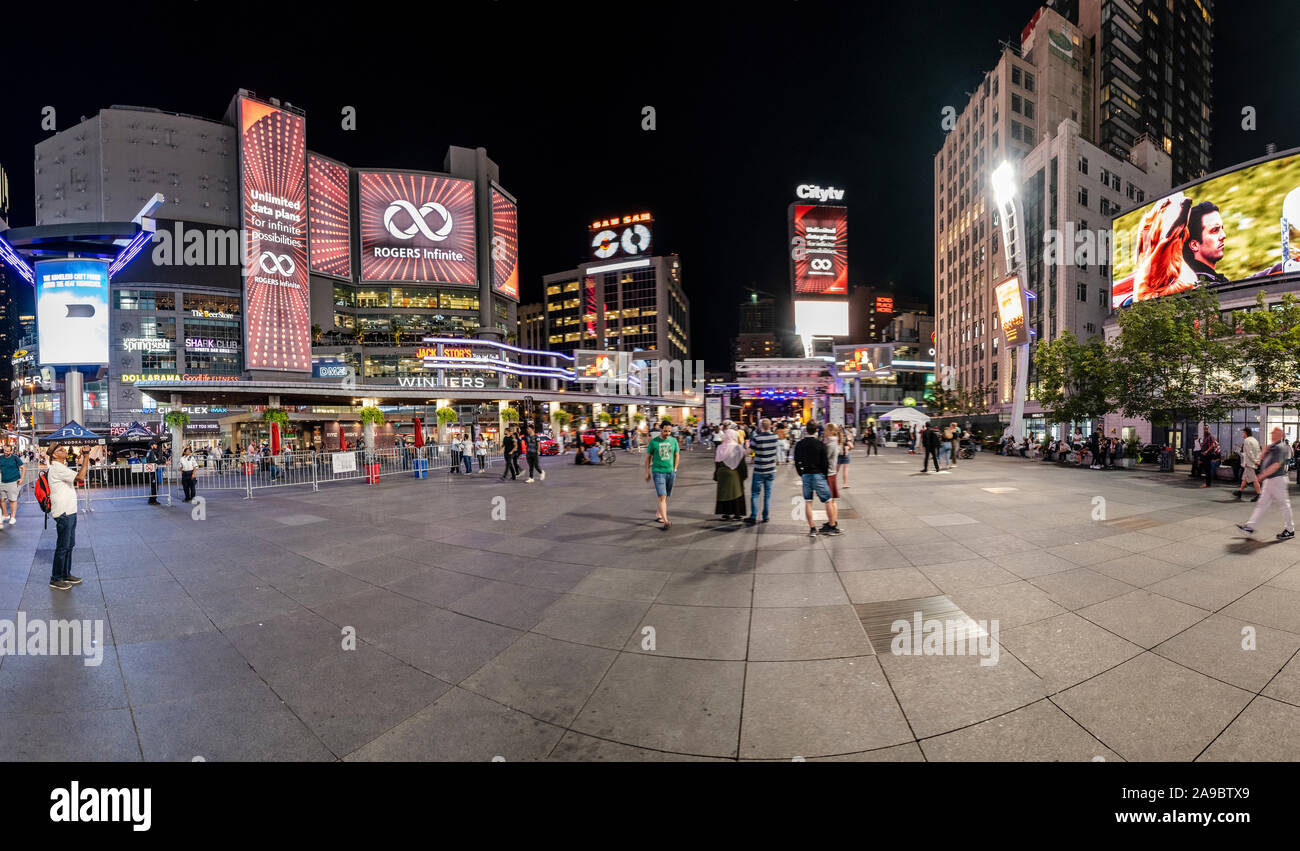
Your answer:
<point x="1074" y="379"/>
<point x="691" y="420"/>
<point x="604" y="417"/>
<point x="563" y="418"/>
<point x="316" y="333"/>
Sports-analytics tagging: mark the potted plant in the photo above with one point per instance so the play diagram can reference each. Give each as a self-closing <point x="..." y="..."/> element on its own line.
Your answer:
<point x="446" y="416"/>
<point x="604" y="417"/>
<point x="371" y="417"/>
<point x="692" y="420"/>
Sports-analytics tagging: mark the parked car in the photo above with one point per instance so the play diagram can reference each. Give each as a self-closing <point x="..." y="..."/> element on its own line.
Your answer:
<point x="1150" y="454"/>
<point x="615" y="437"/>
<point x="548" y="446"/>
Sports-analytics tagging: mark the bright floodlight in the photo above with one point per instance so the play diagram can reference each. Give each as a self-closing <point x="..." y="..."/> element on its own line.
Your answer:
<point x="1003" y="179"/>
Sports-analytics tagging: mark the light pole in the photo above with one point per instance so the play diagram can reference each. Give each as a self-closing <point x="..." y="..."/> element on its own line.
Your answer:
<point x="1003" y="181"/>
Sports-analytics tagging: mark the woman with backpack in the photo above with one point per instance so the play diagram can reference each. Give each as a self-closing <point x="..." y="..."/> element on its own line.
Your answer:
<point x="57" y="494"/>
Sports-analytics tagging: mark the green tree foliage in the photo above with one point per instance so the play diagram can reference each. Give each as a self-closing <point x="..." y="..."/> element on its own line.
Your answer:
<point x="1266" y="344"/>
<point x="1074" y="378"/>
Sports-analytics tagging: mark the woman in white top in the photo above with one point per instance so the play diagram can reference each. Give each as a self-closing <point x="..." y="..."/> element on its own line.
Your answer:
<point x="480" y="449"/>
<point x="63" y="508"/>
<point x="188" y="463"/>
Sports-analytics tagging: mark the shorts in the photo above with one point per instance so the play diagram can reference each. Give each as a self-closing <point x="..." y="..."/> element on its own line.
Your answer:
<point x="9" y="491"/>
<point x="1248" y="475"/>
<point x="844" y="460"/>
<point x="664" y="483"/>
<point x="815" y="482"/>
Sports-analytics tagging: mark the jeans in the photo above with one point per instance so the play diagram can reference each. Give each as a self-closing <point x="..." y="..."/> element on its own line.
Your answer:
<point x="930" y="453"/>
<point x="815" y="483"/>
<point x="482" y="463"/>
<point x="67" y="529"/>
<point x="469" y="462"/>
<point x="945" y="453"/>
<point x="187" y="483"/>
<point x="533" y="465"/>
<point x="763" y="480"/>
<point x="664" y="483"/>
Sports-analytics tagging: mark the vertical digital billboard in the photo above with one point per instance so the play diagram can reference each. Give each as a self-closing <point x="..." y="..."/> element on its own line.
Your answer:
<point x="417" y="228"/>
<point x="505" y="245"/>
<point x="1011" y="311"/>
<point x="273" y="174"/>
<point x="1244" y="223"/>
<point x="329" y="216"/>
<point x="820" y="240"/>
<point x="72" y="311"/>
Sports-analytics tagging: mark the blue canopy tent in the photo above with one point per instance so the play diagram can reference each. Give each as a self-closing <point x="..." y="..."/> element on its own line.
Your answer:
<point x="72" y="433"/>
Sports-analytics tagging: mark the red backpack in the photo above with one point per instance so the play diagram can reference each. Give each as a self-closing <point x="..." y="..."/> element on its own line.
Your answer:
<point x="42" y="490"/>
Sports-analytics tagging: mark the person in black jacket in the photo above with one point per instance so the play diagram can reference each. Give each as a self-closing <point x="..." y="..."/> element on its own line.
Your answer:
<point x="812" y="465"/>
<point x="508" y="453"/>
<point x="154" y="457"/>
<point x="930" y="442"/>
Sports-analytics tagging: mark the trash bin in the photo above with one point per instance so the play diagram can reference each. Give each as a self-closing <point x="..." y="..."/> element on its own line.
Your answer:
<point x="420" y="468"/>
<point x="372" y="474"/>
<point x="1167" y="461"/>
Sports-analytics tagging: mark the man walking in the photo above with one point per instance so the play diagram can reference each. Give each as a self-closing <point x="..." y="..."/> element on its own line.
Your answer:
<point x="1250" y="452"/>
<point x="11" y="479"/>
<point x="764" y="446"/>
<point x="812" y="465"/>
<point x="530" y="446"/>
<point x="661" y="460"/>
<point x="508" y="445"/>
<point x="1273" y="472"/>
<point x="930" y="443"/>
<point x="871" y="441"/>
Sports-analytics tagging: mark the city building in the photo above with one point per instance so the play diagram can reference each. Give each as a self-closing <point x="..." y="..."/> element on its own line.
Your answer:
<point x="1152" y="76"/>
<point x="532" y="335"/>
<point x="912" y="327"/>
<point x="1031" y="111"/>
<point x="872" y="309"/>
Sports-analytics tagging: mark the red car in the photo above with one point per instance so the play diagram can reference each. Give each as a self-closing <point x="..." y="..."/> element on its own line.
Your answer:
<point x="547" y="446"/>
<point x="615" y="438"/>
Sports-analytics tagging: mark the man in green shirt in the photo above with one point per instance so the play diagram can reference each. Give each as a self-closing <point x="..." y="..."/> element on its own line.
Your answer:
<point x="661" y="460"/>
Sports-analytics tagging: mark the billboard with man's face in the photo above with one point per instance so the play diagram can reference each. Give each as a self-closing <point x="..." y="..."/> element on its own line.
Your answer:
<point x="1242" y="224"/>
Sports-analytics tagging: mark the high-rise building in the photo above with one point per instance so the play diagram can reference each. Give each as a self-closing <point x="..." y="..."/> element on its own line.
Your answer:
<point x="871" y="309"/>
<point x="1032" y="112"/>
<point x="1153" y="73"/>
<point x="532" y="335"/>
<point x="758" y="315"/>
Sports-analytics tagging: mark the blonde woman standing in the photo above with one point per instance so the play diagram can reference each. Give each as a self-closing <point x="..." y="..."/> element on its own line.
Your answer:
<point x="832" y="438"/>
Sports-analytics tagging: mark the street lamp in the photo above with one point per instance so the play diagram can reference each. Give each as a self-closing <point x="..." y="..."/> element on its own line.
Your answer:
<point x="1003" y="182"/>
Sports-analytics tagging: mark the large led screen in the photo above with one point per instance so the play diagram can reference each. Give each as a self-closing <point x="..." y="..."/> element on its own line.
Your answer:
<point x="416" y="228"/>
<point x="820" y="240"/>
<point x="1011" y="312"/>
<point x="72" y="311"/>
<point x="273" y="166"/>
<point x="505" y="246"/>
<point x="1234" y="226"/>
<point x="329" y="206"/>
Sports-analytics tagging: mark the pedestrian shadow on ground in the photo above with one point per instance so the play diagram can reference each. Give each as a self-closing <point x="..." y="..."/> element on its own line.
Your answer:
<point x="1246" y="546"/>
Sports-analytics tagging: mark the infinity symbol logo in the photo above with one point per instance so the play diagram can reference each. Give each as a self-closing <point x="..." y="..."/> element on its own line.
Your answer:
<point x="281" y="263"/>
<point x="418" y="220"/>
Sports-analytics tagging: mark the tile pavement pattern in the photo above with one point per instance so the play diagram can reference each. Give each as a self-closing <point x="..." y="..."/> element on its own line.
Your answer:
<point x="524" y="638"/>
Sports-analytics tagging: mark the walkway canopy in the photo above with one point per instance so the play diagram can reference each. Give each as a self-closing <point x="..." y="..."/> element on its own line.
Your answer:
<point x="74" y="434"/>
<point x="904" y="415"/>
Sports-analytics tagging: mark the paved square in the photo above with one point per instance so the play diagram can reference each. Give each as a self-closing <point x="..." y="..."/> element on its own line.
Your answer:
<point x="402" y="621"/>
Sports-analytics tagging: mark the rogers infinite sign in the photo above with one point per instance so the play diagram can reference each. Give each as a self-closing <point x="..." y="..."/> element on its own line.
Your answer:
<point x="273" y="162"/>
<point x="416" y="227"/>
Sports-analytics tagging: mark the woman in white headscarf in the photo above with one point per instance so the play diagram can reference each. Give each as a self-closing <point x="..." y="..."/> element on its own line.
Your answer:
<point x="730" y="472"/>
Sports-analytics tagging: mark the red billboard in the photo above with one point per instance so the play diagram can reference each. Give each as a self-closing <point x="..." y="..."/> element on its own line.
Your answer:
<point x="820" y="241"/>
<point x="505" y="245"/>
<point x="416" y="227"/>
<point x="273" y="175"/>
<point x="329" y="214"/>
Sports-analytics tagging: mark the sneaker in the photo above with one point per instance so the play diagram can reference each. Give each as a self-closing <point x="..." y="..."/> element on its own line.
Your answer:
<point x="529" y="480"/>
<point x="72" y="580"/>
<point x="1246" y="529"/>
<point x="1237" y="495"/>
<point x="542" y="474"/>
<point x="750" y="521"/>
<point x="1255" y="498"/>
<point x="764" y="519"/>
<point x="812" y="532"/>
<point x="13" y="520"/>
<point x="60" y="584"/>
<point x="826" y="527"/>
<point x="1285" y="535"/>
<point x="835" y="530"/>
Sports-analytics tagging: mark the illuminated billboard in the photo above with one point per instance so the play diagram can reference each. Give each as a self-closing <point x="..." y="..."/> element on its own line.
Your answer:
<point x="595" y="366"/>
<point x="505" y="245"/>
<point x="273" y="174"/>
<point x="863" y="359"/>
<point x="416" y="227"/>
<point x="72" y="311"/>
<point x="1011" y="311"/>
<point x="329" y="214"/>
<point x="821" y="318"/>
<point x="884" y="304"/>
<point x="819" y="236"/>
<point x="621" y="236"/>
<point x="1242" y="224"/>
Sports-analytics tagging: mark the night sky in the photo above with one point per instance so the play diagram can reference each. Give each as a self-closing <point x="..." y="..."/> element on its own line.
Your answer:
<point x="751" y="100"/>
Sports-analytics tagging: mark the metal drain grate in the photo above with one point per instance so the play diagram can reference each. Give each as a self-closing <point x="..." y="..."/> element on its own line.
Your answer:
<point x="878" y="618"/>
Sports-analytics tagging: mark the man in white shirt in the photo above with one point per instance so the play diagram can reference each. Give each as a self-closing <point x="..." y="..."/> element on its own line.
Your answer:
<point x="63" y="508"/>
<point x="1250" y="453"/>
<point x="1272" y="469"/>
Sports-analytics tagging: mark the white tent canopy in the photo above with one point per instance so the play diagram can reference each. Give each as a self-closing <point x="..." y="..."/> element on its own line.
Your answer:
<point x="909" y="415"/>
